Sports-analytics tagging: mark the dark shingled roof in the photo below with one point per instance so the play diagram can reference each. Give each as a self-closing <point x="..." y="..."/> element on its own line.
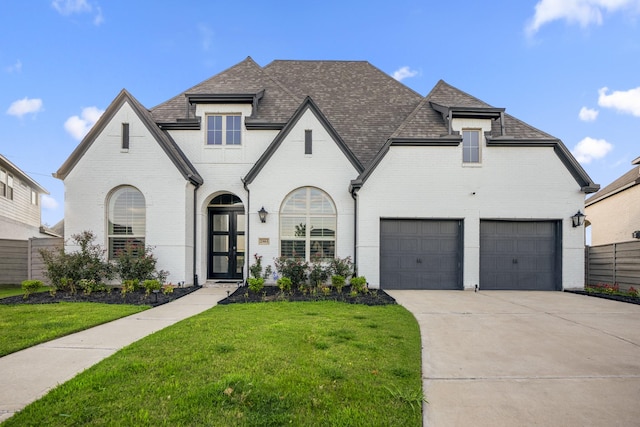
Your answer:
<point x="365" y="106"/>
<point x="627" y="180"/>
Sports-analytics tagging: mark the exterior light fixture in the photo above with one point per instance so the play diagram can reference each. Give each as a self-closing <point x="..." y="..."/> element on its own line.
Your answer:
<point x="577" y="219"/>
<point x="263" y="215"/>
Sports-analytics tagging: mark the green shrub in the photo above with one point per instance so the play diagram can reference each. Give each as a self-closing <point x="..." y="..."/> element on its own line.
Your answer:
<point x="284" y="284"/>
<point x="151" y="285"/>
<point x="88" y="262"/>
<point x="256" y="284"/>
<point x="167" y="289"/>
<point x="293" y="268"/>
<point x="30" y="286"/>
<point x="319" y="273"/>
<point x="341" y="267"/>
<point x="338" y="281"/>
<point x="137" y="262"/>
<point x="358" y="284"/>
<point x="87" y="286"/>
<point x="66" y="284"/>
<point x="129" y="286"/>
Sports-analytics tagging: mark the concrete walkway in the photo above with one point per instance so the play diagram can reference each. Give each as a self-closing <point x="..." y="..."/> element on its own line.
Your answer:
<point x="27" y="375"/>
<point x="519" y="358"/>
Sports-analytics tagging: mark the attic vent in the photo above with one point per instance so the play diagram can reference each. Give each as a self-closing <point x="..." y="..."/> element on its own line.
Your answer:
<point x="125" y="136"/>
<point x="308" y="142"/>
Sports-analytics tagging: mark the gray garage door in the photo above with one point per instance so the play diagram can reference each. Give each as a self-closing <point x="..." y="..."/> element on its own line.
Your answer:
<point x="520" y="255"/>
<point x="420" y="254"/>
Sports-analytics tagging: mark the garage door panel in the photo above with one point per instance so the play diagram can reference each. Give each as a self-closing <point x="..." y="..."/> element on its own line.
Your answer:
<point x="519" y="255"/>
<point x="427" y="254"/>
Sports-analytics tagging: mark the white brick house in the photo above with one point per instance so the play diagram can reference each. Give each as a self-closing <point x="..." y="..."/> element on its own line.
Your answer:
<point x="435" y="192"/>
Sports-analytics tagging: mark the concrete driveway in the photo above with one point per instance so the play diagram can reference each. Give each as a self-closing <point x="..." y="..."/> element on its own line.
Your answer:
<point x="515" y="358"/>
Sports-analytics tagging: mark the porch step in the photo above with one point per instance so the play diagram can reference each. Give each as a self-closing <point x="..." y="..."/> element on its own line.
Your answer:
<point x="222" y="284"/>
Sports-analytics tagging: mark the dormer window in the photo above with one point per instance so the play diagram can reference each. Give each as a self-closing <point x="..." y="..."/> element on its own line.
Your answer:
<point x="471" y="146"/>
<point x="224" y="129"/>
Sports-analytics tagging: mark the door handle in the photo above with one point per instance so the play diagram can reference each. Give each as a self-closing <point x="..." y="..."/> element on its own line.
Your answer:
<point x="515" y="260"/>
<point x="419" y="261"/>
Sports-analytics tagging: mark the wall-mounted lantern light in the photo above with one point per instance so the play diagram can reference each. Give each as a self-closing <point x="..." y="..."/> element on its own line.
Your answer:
<point x="263" y="215"/>
<point x="577" y="219"/>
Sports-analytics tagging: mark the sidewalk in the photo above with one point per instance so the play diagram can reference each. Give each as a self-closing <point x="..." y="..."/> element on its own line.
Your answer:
<point x="29" y="374"/>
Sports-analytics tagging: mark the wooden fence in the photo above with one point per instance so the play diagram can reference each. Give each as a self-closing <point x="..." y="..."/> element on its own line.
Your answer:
<point x="20" y="259"/>
<point x="615" y="263"/>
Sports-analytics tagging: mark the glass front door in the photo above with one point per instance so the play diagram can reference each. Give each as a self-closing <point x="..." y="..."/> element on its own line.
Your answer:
<point x="226" y="243"/>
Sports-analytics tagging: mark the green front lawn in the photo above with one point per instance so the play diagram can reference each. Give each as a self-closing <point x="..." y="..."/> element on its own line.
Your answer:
<point x="280" y="363"/>
<point x="25" y="325"/>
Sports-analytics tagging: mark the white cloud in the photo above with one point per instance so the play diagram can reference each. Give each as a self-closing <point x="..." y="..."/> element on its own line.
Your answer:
<point x="70" y="7"/>
<point x="623" y="101"/>
<point x="588" y="114"/>
<point x="591" y="149"/>
<point x="583" y="12"/>
<point x="25" y="106"/>
<point x="99" y="18"/>
<point x="79" y="126"/>
<point x="206" y="36"/>
<point x="403" y="73"/>
<point x="17" y="67"/>
<point x="49" y="202"/>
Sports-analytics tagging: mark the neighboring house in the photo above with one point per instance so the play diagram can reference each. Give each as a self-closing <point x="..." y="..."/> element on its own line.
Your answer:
<point x="436" y="192"/>
<point x="614" y="211"/>
<point x="20" y="214"/>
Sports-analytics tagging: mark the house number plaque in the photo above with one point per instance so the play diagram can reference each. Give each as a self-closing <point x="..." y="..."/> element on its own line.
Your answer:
<point x="263" y="240"/>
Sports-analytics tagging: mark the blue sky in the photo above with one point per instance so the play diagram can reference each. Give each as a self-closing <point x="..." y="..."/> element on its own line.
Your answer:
<point x="570" y="68"/>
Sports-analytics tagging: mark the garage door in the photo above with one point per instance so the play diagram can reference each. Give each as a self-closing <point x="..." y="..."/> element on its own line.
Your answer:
<point x="420" y="254"/>
<point x="520" y="255"/>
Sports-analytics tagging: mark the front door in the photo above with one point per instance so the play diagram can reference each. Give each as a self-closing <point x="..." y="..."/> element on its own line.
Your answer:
<point x="226" y="243"/>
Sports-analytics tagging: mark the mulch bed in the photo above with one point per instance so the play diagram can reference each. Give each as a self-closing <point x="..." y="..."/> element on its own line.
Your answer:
<point x="239" y="295"/>
<point x="114" y="297"/>
<point x="272" y="293"/>
<point x="621" y="298"/>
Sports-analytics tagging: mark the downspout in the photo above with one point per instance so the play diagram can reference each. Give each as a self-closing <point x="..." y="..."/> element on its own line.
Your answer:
<point x="355" y="232"/>
<point x="248" y="233"/>
<point x="195" y="234"/>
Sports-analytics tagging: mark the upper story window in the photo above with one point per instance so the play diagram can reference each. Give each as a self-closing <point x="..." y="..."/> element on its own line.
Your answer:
<point x="308" y="225"/>
<point x="3" y="183"/>
<point x="34" y="197"/>
<point x="471" y="146"/>
<point x="224" y="129"/>
<point x="6" y="184"/>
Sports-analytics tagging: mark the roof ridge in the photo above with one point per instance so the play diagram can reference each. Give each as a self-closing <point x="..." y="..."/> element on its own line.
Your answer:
<point x="248" y="60"/>
<point x="441" y="82"/>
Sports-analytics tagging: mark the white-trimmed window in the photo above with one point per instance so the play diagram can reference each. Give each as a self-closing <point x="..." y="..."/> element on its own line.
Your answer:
<point x="9" y="191"/>
<point x="3" y="183"/>
<point x="471" y="146"/>
<point x="308" y="225"/>
<point x="34" y="197"/>
<point x="224" y="129"/>
<point x="126" y="217"/>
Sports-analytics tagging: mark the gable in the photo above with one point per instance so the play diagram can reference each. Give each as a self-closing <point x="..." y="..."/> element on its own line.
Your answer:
<point x="165" y="141"/>
<point x="430" y="124"/>
<point x="307" y="106"/>
<point x="626" y="181"/>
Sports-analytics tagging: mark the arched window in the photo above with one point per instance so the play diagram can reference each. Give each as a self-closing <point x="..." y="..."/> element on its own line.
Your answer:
<point x="308" y="225"/>
<point x="126" y="216"/>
